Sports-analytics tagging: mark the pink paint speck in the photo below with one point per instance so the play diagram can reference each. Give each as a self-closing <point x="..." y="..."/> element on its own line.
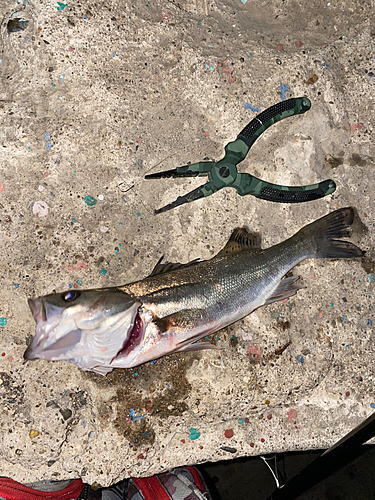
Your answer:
<point x="231" y="79"/>
<point x="10" y="359"/>
<point x="206" y="134"/>
<point x="292" y="415"/>
<point x="139" y="139"/>
<point x="228" y="433"/>
<point x="45" y="174"/>
<point x="2" y="187"/>
<point x="280" y="46"/>
<point x="298" y="43"/>
<point x="254" y="352"/>
<point x="356" y="126"/>
<point x="320" y="313"/>
<point x="311" y="275"/>
<point x="71" y="49"/>
<point x="78" y="267"/>
<point x="40" y="208"/>
<point x="269" y="417"/>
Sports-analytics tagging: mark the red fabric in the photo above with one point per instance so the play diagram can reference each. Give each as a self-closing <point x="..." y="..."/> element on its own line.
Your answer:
<point x="151" y="488"/>
<point x="12" y="490"/>
<point x="197" y="478"/>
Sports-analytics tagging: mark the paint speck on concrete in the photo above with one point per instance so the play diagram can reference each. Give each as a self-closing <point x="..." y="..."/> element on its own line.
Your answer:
<point x="252" y="108"/>
<point x="104" y="229"/>
<point x="40" y="208"/>
<point x="300" y="359"/>
<point x="3" y="321"/>
<point x="292" y="415"/>
<point x="90" y="201"/>
<point x="283" y="90"/>
<point x="194" y="434"/>
<point x="228" y="433"/>
<point x="371" y="277"/>
<point x="103" y="271"/>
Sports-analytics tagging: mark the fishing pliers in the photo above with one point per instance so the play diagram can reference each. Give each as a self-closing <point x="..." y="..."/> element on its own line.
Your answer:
<point x="223" y="173"/>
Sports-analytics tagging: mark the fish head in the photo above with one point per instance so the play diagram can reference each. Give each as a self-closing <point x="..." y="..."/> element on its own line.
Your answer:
<point x="88" y="328"/>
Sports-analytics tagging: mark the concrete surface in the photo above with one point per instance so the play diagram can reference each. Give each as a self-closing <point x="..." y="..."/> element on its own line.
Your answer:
<point x="95" y="94"/>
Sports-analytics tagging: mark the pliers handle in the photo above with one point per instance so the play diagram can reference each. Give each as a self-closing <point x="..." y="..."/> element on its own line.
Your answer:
<point x="224" y="172"/>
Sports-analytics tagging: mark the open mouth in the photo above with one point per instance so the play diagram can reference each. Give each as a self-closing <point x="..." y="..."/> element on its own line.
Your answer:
<point x="134" y="340"/>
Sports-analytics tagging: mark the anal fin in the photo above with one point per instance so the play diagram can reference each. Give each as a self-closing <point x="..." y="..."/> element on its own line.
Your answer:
<point x="284" y="290"/>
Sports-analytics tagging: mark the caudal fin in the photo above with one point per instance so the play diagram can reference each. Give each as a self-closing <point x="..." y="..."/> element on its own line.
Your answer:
<point x="323" y="233"/>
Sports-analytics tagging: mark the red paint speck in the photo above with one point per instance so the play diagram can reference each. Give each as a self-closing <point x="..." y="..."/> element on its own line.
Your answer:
<point x="71" y="49"/>
<point x="206" y="134"/>
<point x="78" y="267"/>
<point x="201" y="447"/>
<point x="10" y="359"/>
<point x="252" y="445"/>
<point x="280" y="47"/>
<point x="228" y="433"/>
<point x="231" y="79"/>
<point x="262" y="440"/>
<point x="292" y="415"/>
<point x="356" y="126"/>
<point x="347" y="394"/>
<point x="3" y="353"/>
<point x="2" y="187"/>
<point x="75" y="285"/>
<point x="45" y="174"/>
<point x="247" y="421"/>
<point x="183" y="441"/>
<point x="269" y="416"/>
<point x="141" y="456"/>
<point x="298" y="43"/>
<point x="254" y="352"/>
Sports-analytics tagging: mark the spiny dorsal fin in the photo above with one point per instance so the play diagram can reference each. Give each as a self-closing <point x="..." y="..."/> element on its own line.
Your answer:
<point x="241" y="239"/>
<point x="166" y="267"/>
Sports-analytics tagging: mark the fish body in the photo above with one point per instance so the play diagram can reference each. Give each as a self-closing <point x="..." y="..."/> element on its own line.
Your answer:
<point x="177" y="305"/>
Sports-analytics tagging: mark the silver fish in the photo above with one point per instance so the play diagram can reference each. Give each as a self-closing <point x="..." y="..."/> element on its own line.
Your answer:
<point x="178" y="304"/>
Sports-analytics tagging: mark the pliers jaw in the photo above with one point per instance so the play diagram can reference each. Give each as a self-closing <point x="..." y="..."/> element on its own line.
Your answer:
<point x="224" y="172"/>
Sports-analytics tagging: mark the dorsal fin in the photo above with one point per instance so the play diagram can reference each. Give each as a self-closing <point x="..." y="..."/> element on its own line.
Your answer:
<point x="241" y="239"/>
<point x="166" y="267"/>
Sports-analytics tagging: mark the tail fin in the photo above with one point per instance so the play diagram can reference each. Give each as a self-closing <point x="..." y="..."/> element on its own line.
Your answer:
<point x="323" y="233"/>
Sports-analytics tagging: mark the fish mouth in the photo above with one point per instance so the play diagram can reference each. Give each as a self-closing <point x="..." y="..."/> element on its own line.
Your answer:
<point x="132" y="341"/>
<point x="40" y="347"/>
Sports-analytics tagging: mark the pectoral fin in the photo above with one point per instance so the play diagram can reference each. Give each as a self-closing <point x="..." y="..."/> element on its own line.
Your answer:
<point x="285" y="289"/>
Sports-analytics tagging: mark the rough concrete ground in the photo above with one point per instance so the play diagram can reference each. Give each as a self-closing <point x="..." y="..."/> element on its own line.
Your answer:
<point x="95" y="94"/>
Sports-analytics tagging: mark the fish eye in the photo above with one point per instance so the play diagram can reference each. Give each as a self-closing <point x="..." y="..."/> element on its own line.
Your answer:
<point x="70" y="296"/>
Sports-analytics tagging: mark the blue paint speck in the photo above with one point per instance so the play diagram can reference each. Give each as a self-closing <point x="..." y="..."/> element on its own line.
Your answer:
<point x="194" y="434"/>
<point x="344" y="319"/>
<point x="369" y="322"/>
<point x="113" y="54"/>
<point x="372" y="405"/>
<point x="103" y="271"/>
<point x="61" y="6"/>
<point x="70" y="285"/>
<point x="300" y="359"/>
<point x="283" y="90"/>
<point x="252" y="108"/>
<point x="153" y="362"/>
<point x="16" y="285"/>
<point x="49" y="145"/>
<point x="90" y="201"/>
<point x="79" y="282"/>
<point x="371" y="277"/>
<point x="47" y="136"/>
<point x="134" y="417"/>
<point x="3" y="321"/>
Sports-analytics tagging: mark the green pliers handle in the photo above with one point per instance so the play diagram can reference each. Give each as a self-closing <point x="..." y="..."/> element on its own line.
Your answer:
<point x="224" y="172"/>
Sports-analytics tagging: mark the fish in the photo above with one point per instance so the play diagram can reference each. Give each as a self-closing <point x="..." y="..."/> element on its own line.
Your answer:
<point x="177" y="305"/>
